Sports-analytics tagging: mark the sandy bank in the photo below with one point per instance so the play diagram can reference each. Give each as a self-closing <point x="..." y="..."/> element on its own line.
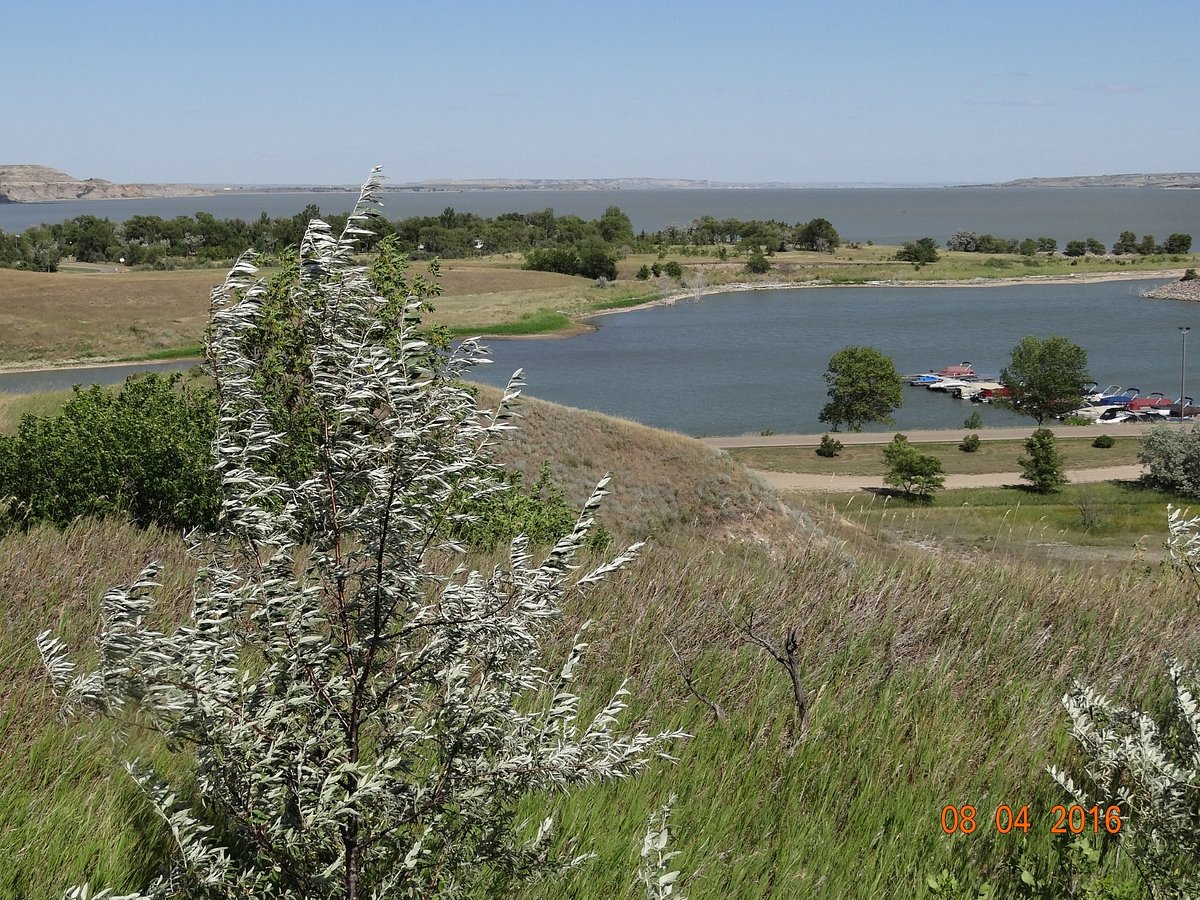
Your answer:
<point x="684" y="294"/>
<point x="830" y="484"/>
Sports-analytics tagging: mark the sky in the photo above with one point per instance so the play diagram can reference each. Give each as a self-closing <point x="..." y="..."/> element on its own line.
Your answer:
<point x="885" y="91"/>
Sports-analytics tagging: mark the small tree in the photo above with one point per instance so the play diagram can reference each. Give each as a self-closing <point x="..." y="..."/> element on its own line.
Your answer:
<point x="365" y="714"/>
<point x="756" y="263"/>
<point x="829" y="446"/>
<point x="817" y="234"/>
<point x="923" y="251"/>
<point x="1044" y="378"/>
<point x="864" y="386"/>
<point x="919" y="475"/>
<point x="1043" y="466"/>
<point x="1178" y="243"/>
<point x="974" y="421"/>
<point x="969" y="444"/>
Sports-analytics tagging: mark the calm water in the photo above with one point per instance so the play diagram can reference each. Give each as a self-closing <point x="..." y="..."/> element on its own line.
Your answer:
<point x="742" y="363"/>
<point x="738" y="363"/>
<point x="882" y="215"/>
<point x="65" y="379"/>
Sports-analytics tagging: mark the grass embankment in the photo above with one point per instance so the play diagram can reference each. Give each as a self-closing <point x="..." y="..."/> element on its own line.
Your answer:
<point x="102" y="314"/>
<point x="933" y="681"/>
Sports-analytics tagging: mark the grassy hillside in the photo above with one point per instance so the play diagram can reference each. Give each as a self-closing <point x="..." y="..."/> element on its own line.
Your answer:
<point x="933" y="680"/>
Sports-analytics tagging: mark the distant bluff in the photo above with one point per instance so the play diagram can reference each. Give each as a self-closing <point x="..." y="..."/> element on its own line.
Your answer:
<point x="31" y="184"/>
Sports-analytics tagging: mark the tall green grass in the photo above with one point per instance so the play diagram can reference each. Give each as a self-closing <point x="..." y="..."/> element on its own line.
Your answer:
<point x="933" y="680"/>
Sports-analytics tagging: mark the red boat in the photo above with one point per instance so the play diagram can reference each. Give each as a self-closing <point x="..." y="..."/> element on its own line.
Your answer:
<point x="1154" y="401"/>
<point x="962" y="370"/>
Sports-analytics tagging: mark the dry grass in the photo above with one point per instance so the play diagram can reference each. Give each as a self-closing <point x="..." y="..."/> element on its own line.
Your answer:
<point x="14" y="407"/>
<point x="79" y="316"/>
<point x="105" y="315"/>
<point x="661" y="478"/>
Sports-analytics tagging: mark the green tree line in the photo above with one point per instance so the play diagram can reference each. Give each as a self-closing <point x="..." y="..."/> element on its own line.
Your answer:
<point x="564" y="243"/>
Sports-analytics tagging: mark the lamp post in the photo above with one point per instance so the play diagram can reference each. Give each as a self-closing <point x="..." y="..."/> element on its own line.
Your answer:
<point x="1183" y="330"/>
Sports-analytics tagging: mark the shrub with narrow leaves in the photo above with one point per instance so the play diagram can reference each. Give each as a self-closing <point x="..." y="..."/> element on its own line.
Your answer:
<point x="1171" y="456"/>
<point x="1146" y="769"/>
<point x="364" y="715"/>
<point x="657" y="875"/>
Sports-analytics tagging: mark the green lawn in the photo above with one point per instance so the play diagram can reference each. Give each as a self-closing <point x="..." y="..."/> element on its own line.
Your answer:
<point x="992" y="456"/>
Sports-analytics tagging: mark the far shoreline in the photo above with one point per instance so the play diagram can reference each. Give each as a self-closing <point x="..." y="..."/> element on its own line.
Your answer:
<point x="737" y="287"/>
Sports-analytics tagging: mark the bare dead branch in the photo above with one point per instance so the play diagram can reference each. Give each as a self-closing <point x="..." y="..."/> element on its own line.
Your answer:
<point x="717" y="711"/>
<point x="789" y="659"/>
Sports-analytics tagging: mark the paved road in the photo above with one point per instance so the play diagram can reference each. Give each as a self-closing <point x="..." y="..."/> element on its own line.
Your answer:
<point x="925" y="437"/>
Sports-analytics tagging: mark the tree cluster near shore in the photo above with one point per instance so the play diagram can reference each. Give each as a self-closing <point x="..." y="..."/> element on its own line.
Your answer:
<point x="1127" y="244"/>
<point x="550" y="242"/>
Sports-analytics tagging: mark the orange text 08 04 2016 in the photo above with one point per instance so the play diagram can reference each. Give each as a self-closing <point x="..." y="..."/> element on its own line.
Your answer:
<point x="1075" y="819"/>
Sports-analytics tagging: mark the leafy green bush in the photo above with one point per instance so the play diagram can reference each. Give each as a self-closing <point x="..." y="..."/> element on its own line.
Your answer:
<point x="591" y="260"/>
<point x="969" y="444"/>
<point x="542" y="514"/>
<point x="1103" y="442"/>
<point x="757" y="264"/>
<point x="921" y="251"/>
<point x="829" y="446"/>
<point x="144" y="451"/>
<point x="672" y="269"/>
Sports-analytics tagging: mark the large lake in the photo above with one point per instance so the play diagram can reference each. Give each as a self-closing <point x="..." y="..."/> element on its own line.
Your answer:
<point x="741" y="363"/>
<point x="882" y="215"/>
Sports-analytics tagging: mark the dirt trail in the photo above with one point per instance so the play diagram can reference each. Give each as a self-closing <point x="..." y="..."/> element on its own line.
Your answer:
<point x="793" y="481"/>
<point x="924" y="436"/>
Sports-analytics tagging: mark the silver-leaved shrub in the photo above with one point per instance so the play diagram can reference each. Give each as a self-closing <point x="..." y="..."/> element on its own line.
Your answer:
<point x="1148" y="768"/>
<point x="364" y="713"/>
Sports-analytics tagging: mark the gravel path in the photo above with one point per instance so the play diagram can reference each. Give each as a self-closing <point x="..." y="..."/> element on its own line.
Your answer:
<point x="794" y="481"/>
<point x="925" y="437"/>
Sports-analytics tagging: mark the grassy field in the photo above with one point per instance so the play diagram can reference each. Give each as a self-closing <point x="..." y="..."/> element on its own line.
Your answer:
<point x="934" y="676"/>
<point x="992" y="456"/>
<point x="101" y="314"/>
<point x="13" y="407"/>
<point x="1122" y="523"/>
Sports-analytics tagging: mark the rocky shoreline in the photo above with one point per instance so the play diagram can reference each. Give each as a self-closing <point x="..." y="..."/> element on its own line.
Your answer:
<point x="1176" y="290"/>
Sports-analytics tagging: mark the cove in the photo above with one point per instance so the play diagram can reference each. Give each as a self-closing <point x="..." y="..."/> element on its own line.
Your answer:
<point x="730" y="364"/>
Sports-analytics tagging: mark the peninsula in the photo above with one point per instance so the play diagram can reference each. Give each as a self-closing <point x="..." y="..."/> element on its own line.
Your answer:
<point x="1165" y="180"/>
<point x="31" y="184"/>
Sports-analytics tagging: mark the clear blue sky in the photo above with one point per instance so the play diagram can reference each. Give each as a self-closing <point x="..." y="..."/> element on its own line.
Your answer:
<point x="875" y="91"/>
